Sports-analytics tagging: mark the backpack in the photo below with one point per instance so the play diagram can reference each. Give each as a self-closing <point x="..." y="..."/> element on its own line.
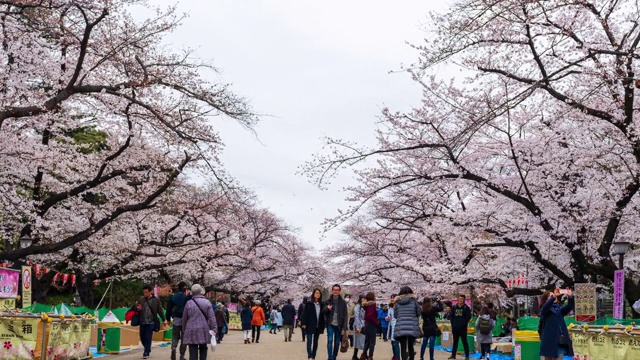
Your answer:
<point x="484" y="326"/>
<point x="178" y="309"/>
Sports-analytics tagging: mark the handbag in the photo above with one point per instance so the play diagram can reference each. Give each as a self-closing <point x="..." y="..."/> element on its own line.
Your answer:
<point x="156" y="321"/>
<point x="438" y="332"/>
<point x="344" y="344"/>
<point x="135" y="320"/>
<point x="132" y="316"/>
<point x="562" y="340"/>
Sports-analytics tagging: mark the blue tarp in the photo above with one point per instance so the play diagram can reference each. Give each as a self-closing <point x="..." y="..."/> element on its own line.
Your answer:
<point x="493" y="356"/>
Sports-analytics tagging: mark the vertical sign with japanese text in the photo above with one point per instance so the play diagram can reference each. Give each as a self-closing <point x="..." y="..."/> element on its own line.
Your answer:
<point x="26" y="286"/>
<point x="618" y="294"/>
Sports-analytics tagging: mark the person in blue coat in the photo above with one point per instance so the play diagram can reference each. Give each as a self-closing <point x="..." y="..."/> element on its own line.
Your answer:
<point x="554" y="339"/>
<point x="383" y="312"/>
<point x="246" y="315"/>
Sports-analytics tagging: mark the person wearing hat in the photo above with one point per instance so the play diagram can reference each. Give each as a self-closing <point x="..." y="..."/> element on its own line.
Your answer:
<point x="258" y="320"/>
<point x="221" y="321"/>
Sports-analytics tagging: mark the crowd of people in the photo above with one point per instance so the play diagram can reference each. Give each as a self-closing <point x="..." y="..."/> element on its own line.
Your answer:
<point x="402" y="321"/>
<point x="358" y="325"/>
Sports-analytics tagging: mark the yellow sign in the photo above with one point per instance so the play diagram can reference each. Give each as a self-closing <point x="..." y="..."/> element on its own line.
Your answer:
<point x="19" y="338"/>
<point x="26" y="286"/>
<point x="7" y="304"/>
<point x="597" y="346"/>
<point x="600" y="346"/>
<point x="69" y="339"/>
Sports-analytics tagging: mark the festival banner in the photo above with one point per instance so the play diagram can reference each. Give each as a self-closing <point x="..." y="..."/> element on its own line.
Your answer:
<point x="80" y="339"/>
<point x="600" y="346"/>
<point x="580" y="342"/>
<point x="619" y="346"/>
<point x="9" y="283"/>
<point x="605" y="346"/>
<point x="585" y="298"/>
<point x="618" y="294"/>
<point x="633" y="349"/>
<point x="19" y="338"/>
<point x="59" y="346"/>
<point x="26" y="286"/>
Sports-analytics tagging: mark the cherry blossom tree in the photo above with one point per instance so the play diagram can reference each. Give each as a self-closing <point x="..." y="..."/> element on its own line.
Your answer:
<point x="98" y="119"/>
<point x="531" y="163"/>
<point x="198" y="234"/>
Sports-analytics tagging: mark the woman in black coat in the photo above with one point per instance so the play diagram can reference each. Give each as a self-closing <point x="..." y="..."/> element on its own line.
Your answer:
<point x="429" y="326"/>
<point x="313" y="322"/>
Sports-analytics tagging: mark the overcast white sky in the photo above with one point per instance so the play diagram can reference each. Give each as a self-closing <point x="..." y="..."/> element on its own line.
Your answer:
<point x="319" y="68"/>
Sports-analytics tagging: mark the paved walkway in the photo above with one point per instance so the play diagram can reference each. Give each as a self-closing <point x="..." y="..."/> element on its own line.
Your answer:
<point x="271" y="347"/>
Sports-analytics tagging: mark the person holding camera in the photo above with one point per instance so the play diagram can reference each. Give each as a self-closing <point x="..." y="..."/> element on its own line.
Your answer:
<point x="555" y="342"/>
<point x="430" y="330"/>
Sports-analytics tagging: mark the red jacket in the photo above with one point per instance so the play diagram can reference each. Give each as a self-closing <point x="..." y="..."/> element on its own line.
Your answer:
<point x="370" y="314"/>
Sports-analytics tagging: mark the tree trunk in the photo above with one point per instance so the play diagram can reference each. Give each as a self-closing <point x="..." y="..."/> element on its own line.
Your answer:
<point x="84" y="285"/>
<point x="631" y="292"/>
<point x="41" y="287"/>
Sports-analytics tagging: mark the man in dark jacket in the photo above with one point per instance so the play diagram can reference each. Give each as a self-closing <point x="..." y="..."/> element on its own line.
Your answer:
<point x="288" y="317"/>
<point x="460" y="316"/>
<point x="336" y="320"/>
<point x="300" y="313"/>
<point x="150" y="308"/>
<point x="175" y="308"/>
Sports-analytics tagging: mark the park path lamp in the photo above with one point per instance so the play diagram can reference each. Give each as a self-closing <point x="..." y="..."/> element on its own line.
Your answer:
<point x="25" y="241"/>
<point x="620" y="248"/>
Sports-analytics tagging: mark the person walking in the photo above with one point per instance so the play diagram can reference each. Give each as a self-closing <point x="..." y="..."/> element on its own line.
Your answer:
<point x="150" y="308"/>
<point x="407" y="312"/>
<point x="351" y="316"/>
<point x="300" y="313"/>
<point x="395" y="346"/>
<point x="336" y="320"/>
<point x="225" y="328"/>
<point x="175" y="309"/>
<point x="460" y="316"/>
<point x="273" y="320"/>
<point x="198" y="322"/>
<point x="221" y="320"/>
<point x="288" y="318"/>
<point x="246" y="315"/>
<point x="358" y="325"/>
<point x="313" y="322"/>
<point x="429" y="325"/>
<point x="484" y="332"/>
<point x="383" y="313"/>
<point x="257" y="321"/>
<point x="555" y="342"/>
<point x="370" y="326"/>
